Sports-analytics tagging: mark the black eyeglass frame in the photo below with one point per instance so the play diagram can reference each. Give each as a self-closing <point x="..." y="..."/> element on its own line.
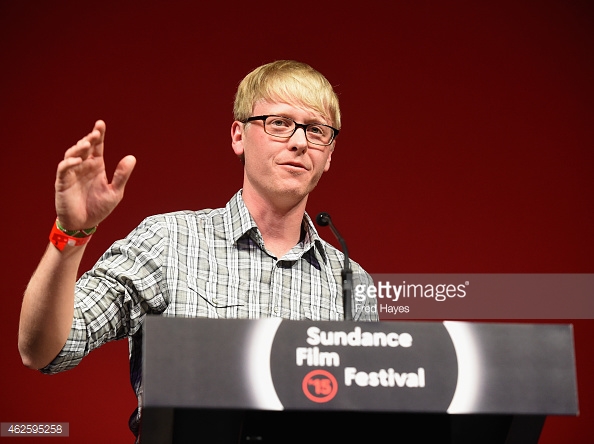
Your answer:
<point x="297" y="126"/>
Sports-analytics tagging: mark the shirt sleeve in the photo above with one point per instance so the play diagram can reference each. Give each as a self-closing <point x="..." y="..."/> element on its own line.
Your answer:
<point x="113" y="297"/>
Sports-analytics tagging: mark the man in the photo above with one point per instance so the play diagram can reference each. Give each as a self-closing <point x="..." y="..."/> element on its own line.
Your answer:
<point x="259" y="256"/>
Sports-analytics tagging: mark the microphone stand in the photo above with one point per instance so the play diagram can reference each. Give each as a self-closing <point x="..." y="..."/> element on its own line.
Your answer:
<point x="323" y="220"/>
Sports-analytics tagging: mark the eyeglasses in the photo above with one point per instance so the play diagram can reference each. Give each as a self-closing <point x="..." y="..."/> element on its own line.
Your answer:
<point x="285" y="127"/>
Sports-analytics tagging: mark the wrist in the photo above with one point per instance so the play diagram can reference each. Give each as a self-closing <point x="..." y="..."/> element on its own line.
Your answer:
<point x="85" y="232"/>
<point x="60" y="237"/>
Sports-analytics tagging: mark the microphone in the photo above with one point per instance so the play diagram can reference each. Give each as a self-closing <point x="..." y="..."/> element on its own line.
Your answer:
<point x="324" y="220"/>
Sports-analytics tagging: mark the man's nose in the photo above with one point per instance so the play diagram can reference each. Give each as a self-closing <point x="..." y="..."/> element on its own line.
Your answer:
<point x="298" y="141"/>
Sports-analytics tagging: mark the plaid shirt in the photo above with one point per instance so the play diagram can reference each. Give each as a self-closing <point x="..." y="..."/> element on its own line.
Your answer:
<point x="209" y="263"/>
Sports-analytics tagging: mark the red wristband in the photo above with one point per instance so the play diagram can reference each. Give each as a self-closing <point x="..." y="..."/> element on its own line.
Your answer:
<point x="61" y="239"/>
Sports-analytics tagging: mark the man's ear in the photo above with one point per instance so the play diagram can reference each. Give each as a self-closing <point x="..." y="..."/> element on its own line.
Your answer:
<point x="237" y="129"/>
<point x="327" y="166"/>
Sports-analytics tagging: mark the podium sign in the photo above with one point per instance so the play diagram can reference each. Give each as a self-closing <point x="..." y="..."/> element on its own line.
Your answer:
<point x="388" y="367"/>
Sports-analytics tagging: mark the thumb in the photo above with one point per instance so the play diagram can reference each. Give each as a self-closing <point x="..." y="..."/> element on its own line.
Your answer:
<point x="122" y="173"/>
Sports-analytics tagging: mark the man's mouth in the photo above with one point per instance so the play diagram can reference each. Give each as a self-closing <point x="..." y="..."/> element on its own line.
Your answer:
<point x="294" y="165"/>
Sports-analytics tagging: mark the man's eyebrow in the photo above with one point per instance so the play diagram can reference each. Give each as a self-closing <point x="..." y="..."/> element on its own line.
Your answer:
<point x="314" y="120"/>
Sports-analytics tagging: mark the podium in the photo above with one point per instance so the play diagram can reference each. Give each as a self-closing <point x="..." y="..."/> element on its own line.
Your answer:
<point x="274" y="380"/>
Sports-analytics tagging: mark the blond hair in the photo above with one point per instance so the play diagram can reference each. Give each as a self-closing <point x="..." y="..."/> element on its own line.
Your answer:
<point x="291" y="82"/>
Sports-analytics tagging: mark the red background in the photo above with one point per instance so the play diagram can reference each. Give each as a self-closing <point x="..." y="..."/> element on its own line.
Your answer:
<point x="467" y="146"/>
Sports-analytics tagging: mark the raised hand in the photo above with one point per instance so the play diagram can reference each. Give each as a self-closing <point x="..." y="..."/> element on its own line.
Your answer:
<point x="84" y="196"/>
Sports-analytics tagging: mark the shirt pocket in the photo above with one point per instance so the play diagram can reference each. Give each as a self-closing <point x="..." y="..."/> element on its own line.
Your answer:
<point x="216" y="301"/>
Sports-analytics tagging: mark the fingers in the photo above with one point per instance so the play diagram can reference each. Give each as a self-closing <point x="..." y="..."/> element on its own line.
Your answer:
<point x="97" y="137"/>
<point x="100" y="126"/>
<point x="65" y="166"/>
<point x="91" y="144"/>
<point x="82" y="150"/>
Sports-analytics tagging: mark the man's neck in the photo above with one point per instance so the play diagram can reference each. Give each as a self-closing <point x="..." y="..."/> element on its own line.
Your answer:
<point x="279" y="223"/>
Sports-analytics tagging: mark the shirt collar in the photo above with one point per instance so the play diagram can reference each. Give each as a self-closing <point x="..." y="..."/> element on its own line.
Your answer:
<point x="312" y="238"/>
<point x="238" y="219"/>
<point x="239" y="222"/>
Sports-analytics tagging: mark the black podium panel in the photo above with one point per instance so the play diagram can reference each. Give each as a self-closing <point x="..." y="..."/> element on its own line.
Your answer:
<point x="268" y="379"/>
